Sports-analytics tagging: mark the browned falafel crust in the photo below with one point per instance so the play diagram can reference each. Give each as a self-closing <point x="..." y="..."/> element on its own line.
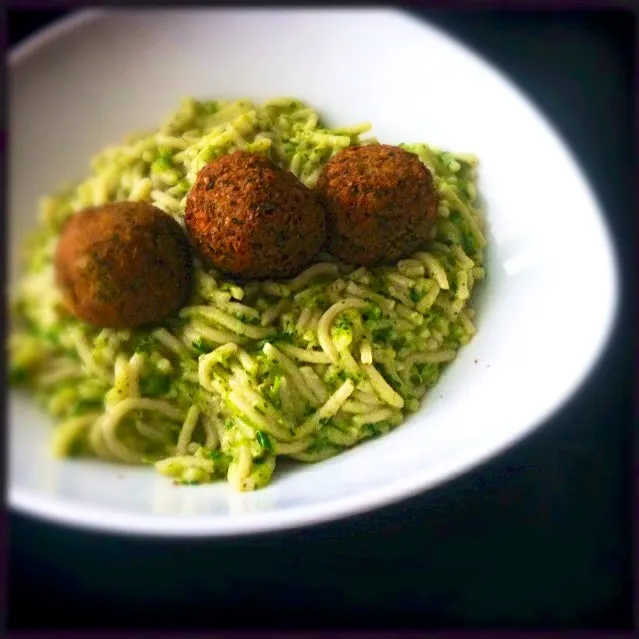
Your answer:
<point x="123" y="265"/>
<point x="380" y="202"/>
<point x="251" y="219"/>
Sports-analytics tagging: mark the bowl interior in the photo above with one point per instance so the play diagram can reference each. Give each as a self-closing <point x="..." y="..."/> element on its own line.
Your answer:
<point x="542" y="317"/>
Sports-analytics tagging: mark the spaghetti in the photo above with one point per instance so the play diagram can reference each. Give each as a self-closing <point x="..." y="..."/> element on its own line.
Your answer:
<point x="248" y="372"/>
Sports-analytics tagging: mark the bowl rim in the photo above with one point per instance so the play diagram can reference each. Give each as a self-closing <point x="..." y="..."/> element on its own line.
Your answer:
<point x="112" y="521"/>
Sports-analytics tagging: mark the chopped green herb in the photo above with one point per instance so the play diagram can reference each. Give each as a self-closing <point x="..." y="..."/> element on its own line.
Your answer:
<point x="319" y="302"/>
<point x="155" y="385"/>
<point x="146" y="344"/>
<point x="201" y="346"/>
<point x="372" y="430"/>
<point x="384" y="335"/>
<point x="343" y="323"/>
<point x="318" y="445"/>
<point x="375" y="312"/>
<point x="467" y="243"/>
<point x="425" y="374"/>
<point x="264" y="441"/>
<point x="163" y="163"/>
<point x="277" y="384"/>
<point x="85" y="405"/>
<point x="286" y="335"/>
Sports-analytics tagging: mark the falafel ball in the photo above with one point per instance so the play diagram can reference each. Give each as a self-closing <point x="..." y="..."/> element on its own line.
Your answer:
<point x="123" y="265"/>
<point x="249" y="218"/>
<point x="380" y="202"/>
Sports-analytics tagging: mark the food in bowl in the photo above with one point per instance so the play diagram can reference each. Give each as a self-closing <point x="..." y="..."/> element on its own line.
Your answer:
<point x="318" y="318"/>
<point x="381" y="203"/>
<point x="251" y="219"/>
<point x="122" y="265"/>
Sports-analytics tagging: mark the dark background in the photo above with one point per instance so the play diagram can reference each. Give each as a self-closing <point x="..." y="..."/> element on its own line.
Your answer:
<point x="539" y="537"/>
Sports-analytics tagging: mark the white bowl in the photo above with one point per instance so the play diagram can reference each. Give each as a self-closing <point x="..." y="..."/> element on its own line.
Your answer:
<point x="544" y="314"/>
